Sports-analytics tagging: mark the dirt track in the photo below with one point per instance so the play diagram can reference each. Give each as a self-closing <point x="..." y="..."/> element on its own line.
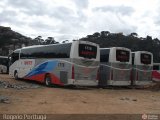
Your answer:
<point x="62" y="100"/>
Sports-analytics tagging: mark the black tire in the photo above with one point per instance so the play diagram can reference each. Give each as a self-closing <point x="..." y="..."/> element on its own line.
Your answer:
<point x="16" y="75"/>
<point x="47" y="80"/>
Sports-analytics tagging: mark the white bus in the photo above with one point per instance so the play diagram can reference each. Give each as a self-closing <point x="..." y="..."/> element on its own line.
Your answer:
<point x="156" y="72"/>
<point x="3" y="64"/>
<point x="142" y="62"/>
<point x="75" y="63"/>
<point x="115" y="66"/>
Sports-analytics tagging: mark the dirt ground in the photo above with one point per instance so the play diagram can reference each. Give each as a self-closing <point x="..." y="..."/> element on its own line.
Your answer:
<point x="64" y="100"/>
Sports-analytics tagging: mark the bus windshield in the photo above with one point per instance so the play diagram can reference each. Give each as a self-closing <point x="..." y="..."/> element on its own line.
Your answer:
<point x="145" y="58"/>
<point x="122" y="55"/>
<point x="87" y="51"/>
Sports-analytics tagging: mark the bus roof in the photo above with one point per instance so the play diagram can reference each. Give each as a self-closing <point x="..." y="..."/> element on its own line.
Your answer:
<point x="116" y="48"/>
<point x="142" y="52"/>
<point x="43" y="45"/>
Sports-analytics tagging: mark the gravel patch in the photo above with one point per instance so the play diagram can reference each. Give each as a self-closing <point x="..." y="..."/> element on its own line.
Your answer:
<point x="6" y="85"/>
<point x="4" y="99"/>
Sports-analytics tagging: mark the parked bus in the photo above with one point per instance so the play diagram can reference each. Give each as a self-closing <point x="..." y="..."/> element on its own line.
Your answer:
<point x="156" y="72"/>
<point x="115" y="66"/>
<point x="142" y="62"/>
<point x="3" y="64"/>
<point x="75" y="63"/>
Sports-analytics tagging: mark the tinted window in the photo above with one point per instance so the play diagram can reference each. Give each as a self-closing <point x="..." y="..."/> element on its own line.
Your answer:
<point x="104" y="55"/>
<point x="50" y="51"/>
<point x="87" y="51"/>
<point x="145" y="58"/>
<point x="4" y="61"/>
<point x="156" y="67"/>
<point x="122" y="55"/>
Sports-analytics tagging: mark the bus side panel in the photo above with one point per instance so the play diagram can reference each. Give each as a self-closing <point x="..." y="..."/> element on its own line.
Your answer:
<point x="63" y="72"/>
<point x="38" y="73"/>
<point x="55" y="68"/>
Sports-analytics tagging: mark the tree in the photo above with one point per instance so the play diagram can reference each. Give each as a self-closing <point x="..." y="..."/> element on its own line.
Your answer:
<point x="148" y="38"/>
<point x="96" y="34"/>
<point x="38" y="41"/>
<point x="50" y="40"/>
<point x="65" y="41"/>
<point x="104" y="33"/>
<point x="89" y="36"/>
<point x="133" y="34"/>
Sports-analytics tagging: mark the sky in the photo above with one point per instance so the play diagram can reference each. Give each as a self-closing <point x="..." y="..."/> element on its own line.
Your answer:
<point x="74" y="19"/>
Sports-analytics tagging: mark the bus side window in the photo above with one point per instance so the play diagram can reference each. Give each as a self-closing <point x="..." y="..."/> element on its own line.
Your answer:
<point x="155" y="67"/>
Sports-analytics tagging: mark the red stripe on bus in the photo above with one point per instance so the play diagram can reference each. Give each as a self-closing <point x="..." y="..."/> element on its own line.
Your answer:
<point x="56" y="80"/>
<point x="40" y="78"/>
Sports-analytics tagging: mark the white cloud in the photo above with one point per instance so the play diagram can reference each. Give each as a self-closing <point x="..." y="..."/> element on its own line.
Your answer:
<point x="72" y="19"/>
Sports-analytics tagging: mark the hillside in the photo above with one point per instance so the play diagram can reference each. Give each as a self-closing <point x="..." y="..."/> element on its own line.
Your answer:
<point x="10" y="40"/>
<point x="8" y="36"/>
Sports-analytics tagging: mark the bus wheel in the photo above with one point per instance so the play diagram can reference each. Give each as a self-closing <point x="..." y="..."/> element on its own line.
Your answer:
<point x="16" y="75"/>
<point x="48" y="80"/>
